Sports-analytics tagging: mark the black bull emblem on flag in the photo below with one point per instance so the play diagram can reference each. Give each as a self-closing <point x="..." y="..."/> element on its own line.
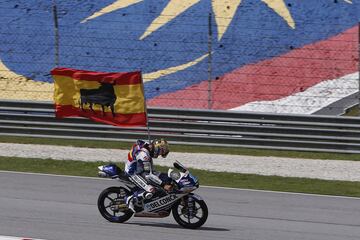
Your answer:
<point x="104" y="96"/>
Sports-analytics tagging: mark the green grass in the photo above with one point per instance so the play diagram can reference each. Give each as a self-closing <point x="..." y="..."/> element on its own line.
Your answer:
<point x="183" y="148"/>
<point x="221" y="179"/>
<point x="353" y="111"/>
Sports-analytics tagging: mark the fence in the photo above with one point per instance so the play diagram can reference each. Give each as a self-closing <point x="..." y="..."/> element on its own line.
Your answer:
<point x="193" y="127"/>
<point x="195" y="54"/>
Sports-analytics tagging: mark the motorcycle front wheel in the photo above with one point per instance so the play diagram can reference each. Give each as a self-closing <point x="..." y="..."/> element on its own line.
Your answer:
<point x="190" y="212"/>
<point x="112" y="206"/>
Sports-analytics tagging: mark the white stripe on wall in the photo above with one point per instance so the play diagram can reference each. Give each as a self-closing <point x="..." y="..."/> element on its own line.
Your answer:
<point x="309" y="101"/>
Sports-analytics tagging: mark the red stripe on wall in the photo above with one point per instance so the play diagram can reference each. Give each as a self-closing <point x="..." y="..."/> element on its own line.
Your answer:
<point x="273" y="78"/>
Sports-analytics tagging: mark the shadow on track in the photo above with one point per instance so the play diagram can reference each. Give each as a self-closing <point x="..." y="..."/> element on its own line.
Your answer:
<point x="168" y="225"/>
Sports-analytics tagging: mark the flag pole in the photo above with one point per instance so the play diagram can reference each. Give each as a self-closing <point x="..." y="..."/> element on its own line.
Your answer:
<point x="56" y="27"/>
<point x="209" y="61"/>
<point x="146" y="111"/>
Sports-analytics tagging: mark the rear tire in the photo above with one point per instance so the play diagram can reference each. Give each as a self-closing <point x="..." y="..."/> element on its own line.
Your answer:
<point x="184" y="217"/>
<point x="112" y="206"/>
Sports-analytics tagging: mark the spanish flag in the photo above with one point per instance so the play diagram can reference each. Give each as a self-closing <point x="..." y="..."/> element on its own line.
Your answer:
<point x="112" y="98"/>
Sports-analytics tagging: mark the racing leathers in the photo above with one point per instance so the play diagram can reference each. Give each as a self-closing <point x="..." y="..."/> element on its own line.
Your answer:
<point x="139" y="169"/>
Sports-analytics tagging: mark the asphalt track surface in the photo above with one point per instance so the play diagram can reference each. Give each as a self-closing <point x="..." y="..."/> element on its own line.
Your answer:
<point x="58" y="207"/>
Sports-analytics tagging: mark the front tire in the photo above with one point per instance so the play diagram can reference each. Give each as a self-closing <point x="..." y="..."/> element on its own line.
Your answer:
<point x="112" y="206"/>
<point x="190" y="215"/>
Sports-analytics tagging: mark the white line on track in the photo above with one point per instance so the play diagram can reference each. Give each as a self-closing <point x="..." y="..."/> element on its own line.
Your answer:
<point x="227" y="188"/>
<point x="16" y="238"/>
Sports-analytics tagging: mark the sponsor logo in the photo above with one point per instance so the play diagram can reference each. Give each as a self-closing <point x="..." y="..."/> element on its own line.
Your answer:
<point x="160" y="202"/>
<point x="139" y="181"/>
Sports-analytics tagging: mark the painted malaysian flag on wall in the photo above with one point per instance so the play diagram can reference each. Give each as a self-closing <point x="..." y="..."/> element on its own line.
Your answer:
<point x="266" y="55"/>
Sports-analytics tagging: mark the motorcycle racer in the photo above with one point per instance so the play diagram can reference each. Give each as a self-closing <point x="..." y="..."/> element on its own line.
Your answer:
<point x="139" y="169"/>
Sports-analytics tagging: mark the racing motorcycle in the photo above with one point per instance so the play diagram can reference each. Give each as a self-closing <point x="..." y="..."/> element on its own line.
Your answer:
<point x="188" y="209"/>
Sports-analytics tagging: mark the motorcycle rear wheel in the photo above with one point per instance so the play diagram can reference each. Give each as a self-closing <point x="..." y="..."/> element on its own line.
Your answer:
<point x="111" y="204"/>
<point x="187" y="219"/>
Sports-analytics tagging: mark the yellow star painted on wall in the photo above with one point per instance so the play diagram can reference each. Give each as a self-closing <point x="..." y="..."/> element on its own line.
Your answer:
<point x="224" y="12"/>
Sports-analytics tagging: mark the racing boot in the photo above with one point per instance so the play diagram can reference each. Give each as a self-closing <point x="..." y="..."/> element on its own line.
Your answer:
<point x="146" y="195"/>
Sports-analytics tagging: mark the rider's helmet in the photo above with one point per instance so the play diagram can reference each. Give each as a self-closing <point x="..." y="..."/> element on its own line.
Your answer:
<point x="160" y="147"/>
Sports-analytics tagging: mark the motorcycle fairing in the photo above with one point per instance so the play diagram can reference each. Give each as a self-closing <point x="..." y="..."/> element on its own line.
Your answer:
<point x="110" y="170"/>
<point x="162" y="203"/>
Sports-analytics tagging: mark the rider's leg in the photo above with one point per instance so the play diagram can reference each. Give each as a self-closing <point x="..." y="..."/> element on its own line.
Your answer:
<point x="136" y="197"/>
<point x="144" y="191"/>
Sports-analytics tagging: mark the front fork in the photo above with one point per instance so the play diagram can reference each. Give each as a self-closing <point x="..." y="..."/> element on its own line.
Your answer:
<point x="189" y="209"/>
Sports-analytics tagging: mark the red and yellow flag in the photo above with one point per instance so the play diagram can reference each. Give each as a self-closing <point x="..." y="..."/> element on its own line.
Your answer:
<point x="112" y="98"/>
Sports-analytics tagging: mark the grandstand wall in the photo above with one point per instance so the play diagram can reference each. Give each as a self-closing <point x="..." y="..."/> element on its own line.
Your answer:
<point x="281" y="56"/>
